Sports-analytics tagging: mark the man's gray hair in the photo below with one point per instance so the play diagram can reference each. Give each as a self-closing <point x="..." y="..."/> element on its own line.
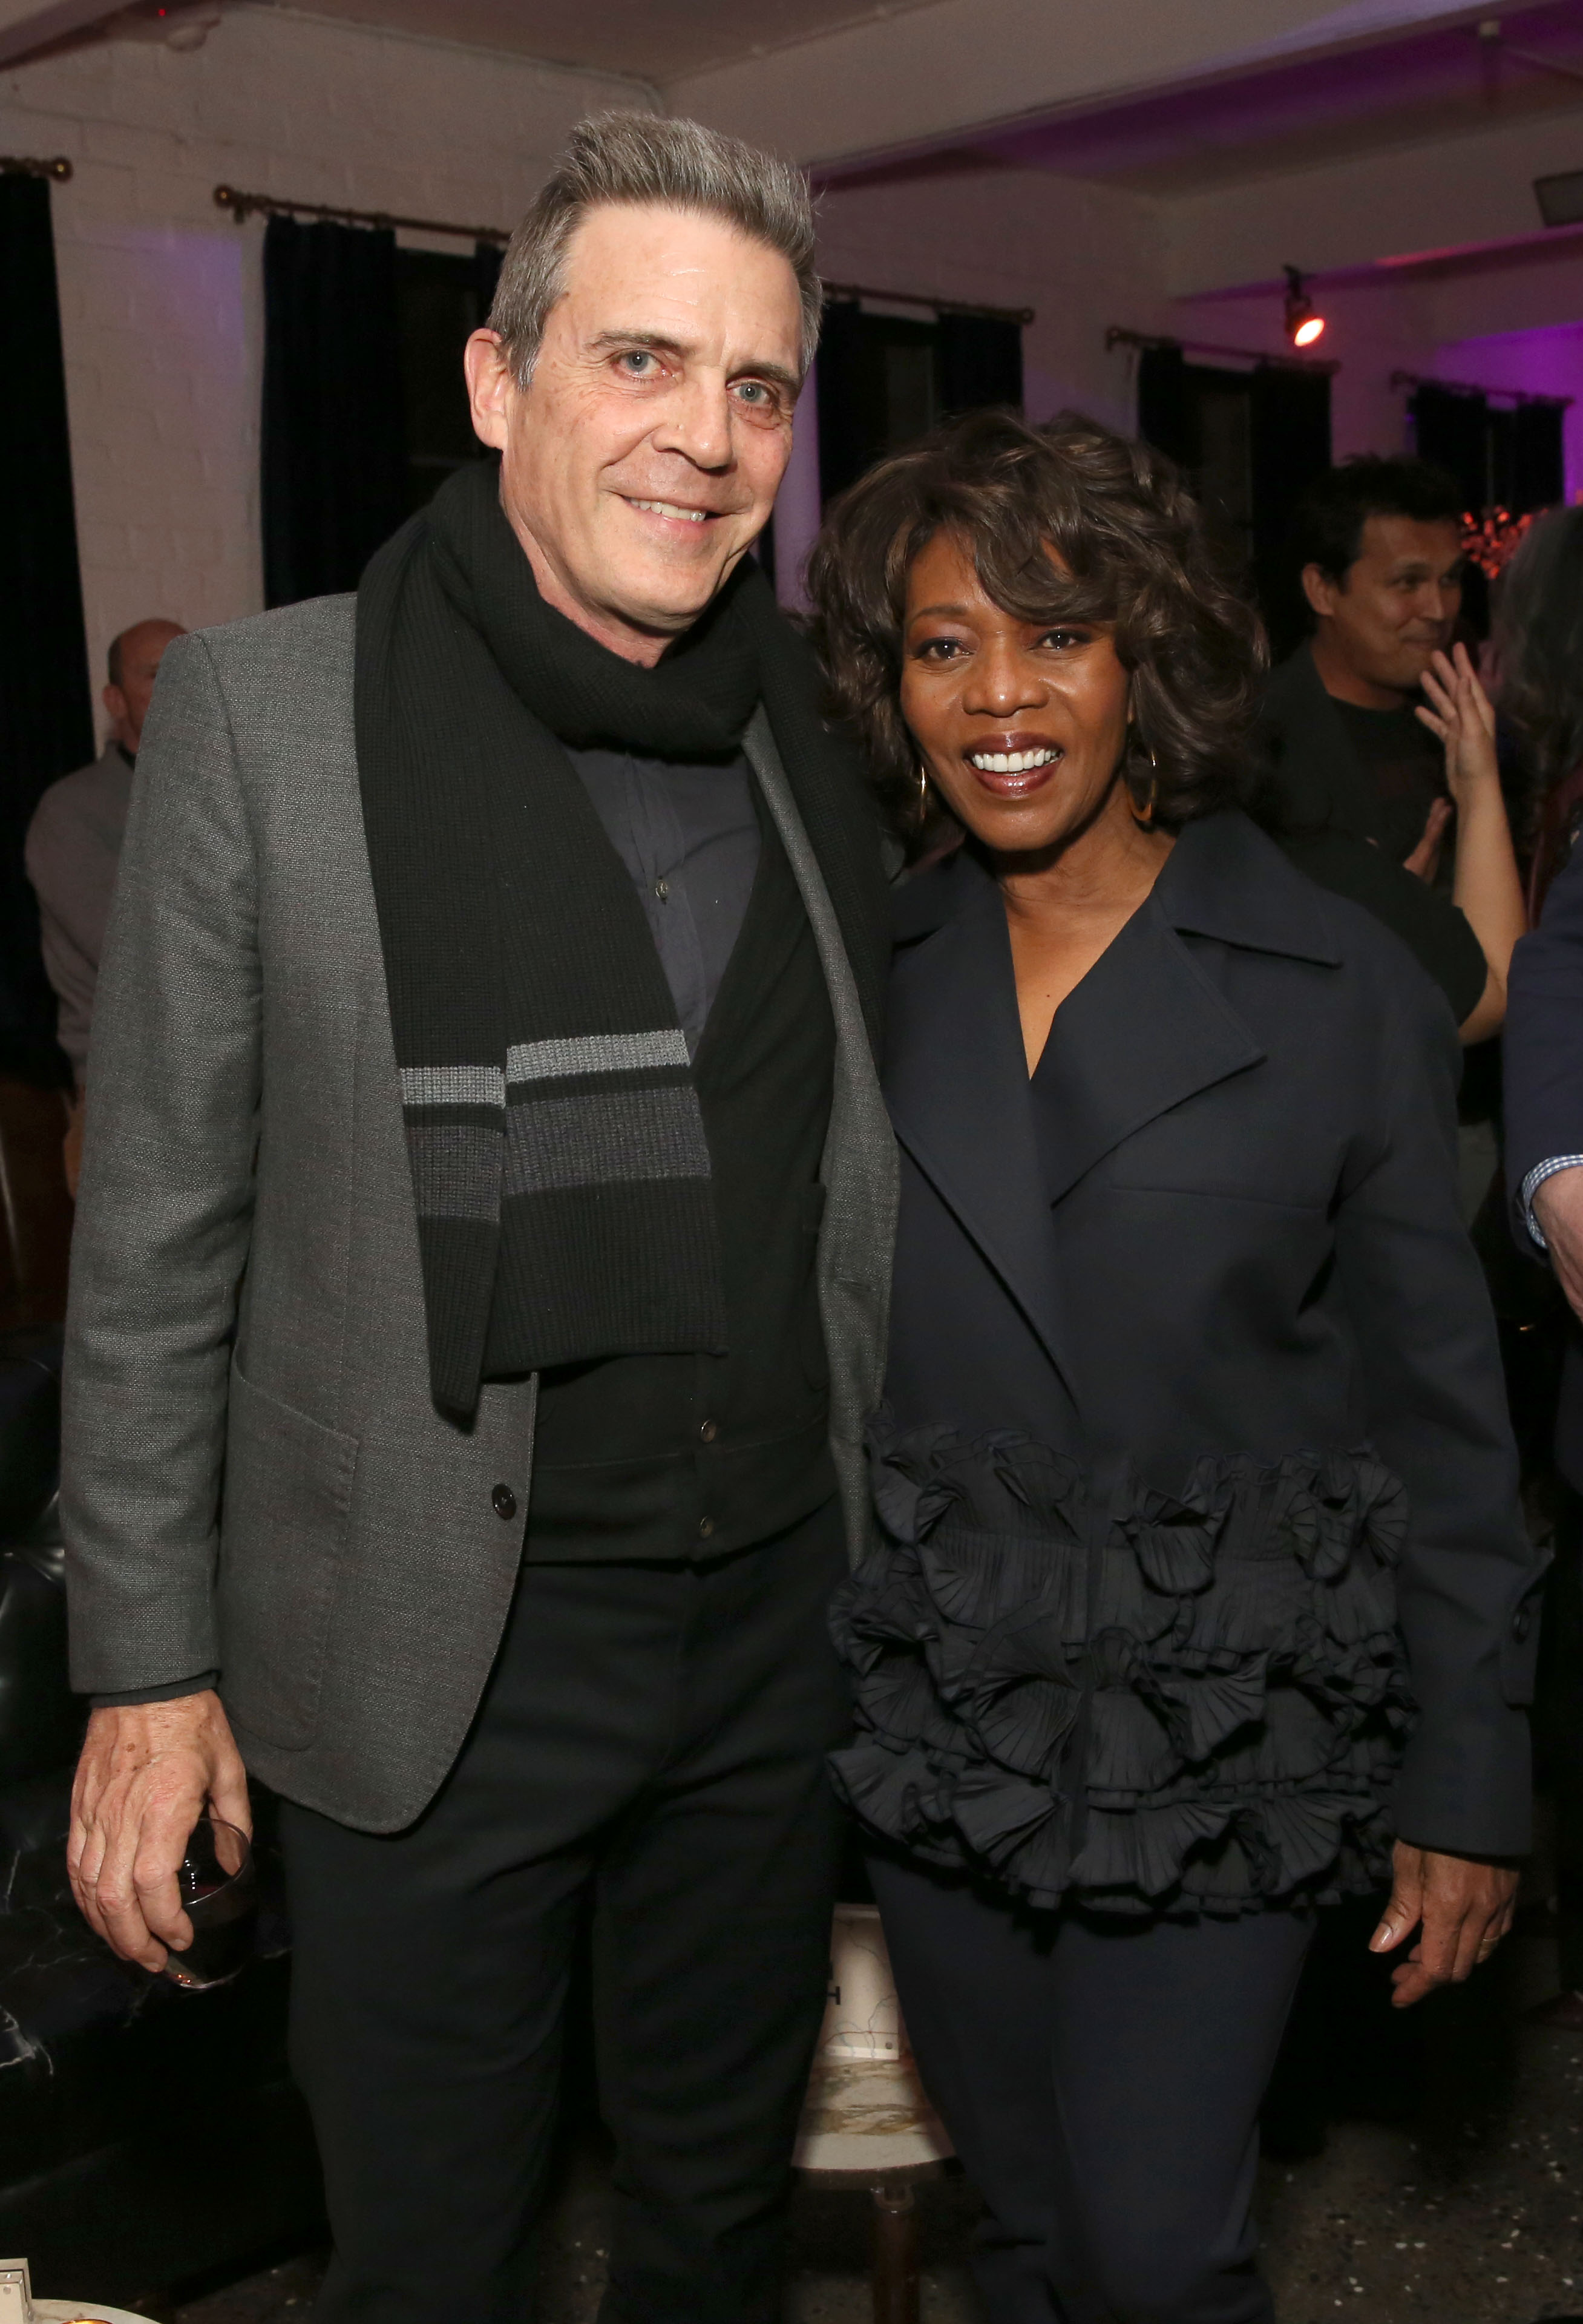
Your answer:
<point x="631" y="158"/>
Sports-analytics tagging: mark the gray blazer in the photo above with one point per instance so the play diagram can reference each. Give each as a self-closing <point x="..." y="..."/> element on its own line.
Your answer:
<point x="255" y="1477"/>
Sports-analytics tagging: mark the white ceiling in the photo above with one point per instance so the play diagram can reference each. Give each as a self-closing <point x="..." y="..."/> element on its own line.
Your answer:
<point x="653" y="40"/>
<point x="1422" y="86"/>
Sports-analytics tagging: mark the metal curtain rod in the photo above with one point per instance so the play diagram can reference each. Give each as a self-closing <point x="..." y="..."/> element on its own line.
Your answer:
<point x="1118" y="337"/>
<point x="26" y="165"/>
<point x="935" y="306"/>
<point x="1466" y="387"/>
<point x="244" y="206"/>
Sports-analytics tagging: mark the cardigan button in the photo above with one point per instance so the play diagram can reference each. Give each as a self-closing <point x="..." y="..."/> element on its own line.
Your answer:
<point x="706" y="1527"/>
<point x="1522" y="1623"/>
<point x="709" y="1432"/>
<point x="505" y="1501"/>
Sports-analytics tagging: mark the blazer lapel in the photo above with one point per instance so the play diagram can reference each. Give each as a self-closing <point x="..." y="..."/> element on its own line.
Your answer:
<point x="1143" y="1031"/>
<point x="956" y="1082"/>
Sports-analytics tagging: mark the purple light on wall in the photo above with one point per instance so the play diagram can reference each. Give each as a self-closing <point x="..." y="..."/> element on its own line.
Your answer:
<point x="1545" y="362"/>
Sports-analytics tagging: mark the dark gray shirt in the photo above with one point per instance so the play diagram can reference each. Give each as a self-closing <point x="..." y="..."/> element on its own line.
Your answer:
<point x="689" y="838"/>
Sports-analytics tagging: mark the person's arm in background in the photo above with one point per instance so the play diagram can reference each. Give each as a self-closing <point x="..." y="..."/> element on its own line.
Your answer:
<point x="163" y="1225"/>
<point x="1543" y="1058"/>
<point x="1486" y="889"/>
<point x="1428" y="923"/>
<point x="68" y="930"/>
<point x="1435" y="1403"/>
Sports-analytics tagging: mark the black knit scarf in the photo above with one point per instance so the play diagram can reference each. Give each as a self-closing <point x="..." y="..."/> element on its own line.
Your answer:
<point x="559" y="1163"/>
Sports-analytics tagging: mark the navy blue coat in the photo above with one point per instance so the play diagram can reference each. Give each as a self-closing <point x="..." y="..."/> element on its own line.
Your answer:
<point x="1543" y="1083"/>
<point x="1208" y="1265"/>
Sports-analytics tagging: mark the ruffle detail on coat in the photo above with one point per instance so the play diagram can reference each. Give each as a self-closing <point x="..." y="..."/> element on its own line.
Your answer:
<point x="1148" y="1701"/>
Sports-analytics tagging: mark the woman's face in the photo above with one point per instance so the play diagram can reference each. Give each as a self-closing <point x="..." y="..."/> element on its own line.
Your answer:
<point x="1020" y="728"/>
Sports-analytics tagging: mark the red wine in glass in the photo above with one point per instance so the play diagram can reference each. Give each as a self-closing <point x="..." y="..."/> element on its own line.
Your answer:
<point x="219" y="1894"/>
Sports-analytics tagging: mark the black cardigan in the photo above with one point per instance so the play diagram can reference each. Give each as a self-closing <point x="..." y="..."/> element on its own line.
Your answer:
<point x="1173" y="1325"/>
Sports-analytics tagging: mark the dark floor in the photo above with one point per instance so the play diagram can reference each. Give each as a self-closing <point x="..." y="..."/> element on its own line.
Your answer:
<point x="1472" y="2216"/>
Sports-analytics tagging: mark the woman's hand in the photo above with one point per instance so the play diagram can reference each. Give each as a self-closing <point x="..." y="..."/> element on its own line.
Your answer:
<point x="1462" y="1909"/>
<point x="1425" y="859"/>
<point x="1460" y="716"/>
<point x="1485" y="887"/>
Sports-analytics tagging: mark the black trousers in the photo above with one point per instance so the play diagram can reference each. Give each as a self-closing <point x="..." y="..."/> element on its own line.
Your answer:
<point x="652" y="1739"/>
<point x="1558" y="1716"/>
<point x="1100" y="2080"/>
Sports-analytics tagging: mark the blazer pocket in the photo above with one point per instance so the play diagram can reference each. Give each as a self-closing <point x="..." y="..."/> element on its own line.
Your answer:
<point x="287" y="1501"/>
<point x="1273" y="1194"/>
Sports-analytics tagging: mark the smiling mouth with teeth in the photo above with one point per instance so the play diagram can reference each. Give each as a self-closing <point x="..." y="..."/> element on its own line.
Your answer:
<point x="669" y="508"/>
<point x="1011" y="762"/>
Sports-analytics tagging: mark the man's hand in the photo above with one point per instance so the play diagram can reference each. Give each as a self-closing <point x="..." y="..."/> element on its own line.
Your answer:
<point x="1461" y="1908"/>
<point x="1558" y="1205"/>
<point x="146" y="1772"/>
<point x="1425" y="859"/>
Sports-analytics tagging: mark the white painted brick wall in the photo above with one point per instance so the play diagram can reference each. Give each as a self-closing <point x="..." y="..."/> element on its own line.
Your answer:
<point x="162" y="293"/>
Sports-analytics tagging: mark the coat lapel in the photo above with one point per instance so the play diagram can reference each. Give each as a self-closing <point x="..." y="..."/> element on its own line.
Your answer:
<point x="1146" y="1028"/>
<point x="956" y="1082"/>
<point x="1143" y="1032"/>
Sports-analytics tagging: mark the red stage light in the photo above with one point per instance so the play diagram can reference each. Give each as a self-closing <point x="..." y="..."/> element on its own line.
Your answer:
<point x="1304" y="327"/>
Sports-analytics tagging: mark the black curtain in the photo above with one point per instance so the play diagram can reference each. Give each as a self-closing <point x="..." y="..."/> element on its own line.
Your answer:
<point x="1451" y="428"/>
<point x="488" y="257"/>
<point x="1182" y="411"/>
<point x="334" y="481"/>
<point x="853" y="408"/>
<point x="1526" y="457"/>
<point x="46" y="706"/>
<point x="1289" y="445"/>
<point x="1501" y="458"/>
<point x="981" y="362"/>
<point x="884" y="379"/>
<point x="1165" y="412"/>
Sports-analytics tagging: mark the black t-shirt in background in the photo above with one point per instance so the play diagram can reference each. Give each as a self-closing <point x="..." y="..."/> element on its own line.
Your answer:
<point x="1407" y="767"/>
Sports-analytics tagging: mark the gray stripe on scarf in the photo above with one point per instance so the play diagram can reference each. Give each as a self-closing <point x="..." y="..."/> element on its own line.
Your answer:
<point x="543" y="1061"/>
<point x="453" y="1085"/>
<point x="456" y="1170"/>
<point x="602" y="1138"/>
<point x="595" y="1053"/>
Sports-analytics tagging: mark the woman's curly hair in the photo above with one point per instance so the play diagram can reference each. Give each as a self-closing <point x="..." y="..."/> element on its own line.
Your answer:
<point x="1129" y="548"/>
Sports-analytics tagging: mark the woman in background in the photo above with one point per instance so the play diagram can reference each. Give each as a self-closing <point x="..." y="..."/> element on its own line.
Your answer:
<point x="1200" y="1593"/>
<point x="1539" y="654"/>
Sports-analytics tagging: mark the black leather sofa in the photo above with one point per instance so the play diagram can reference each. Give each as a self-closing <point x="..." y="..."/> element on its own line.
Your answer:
<point x="150" y="2139"/>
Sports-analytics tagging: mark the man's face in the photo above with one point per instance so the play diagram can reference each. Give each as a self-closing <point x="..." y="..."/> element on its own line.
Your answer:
<point x="142" y="649"/>
<point x="1395" y="605"/>
<point x="643" y="458"/>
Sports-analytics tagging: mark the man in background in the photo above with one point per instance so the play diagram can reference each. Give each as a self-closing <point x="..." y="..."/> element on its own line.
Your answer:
<point x="1358" y="785"/>
<point x="74" y="849"/>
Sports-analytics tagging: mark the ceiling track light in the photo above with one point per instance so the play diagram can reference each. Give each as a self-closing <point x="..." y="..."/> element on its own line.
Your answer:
<point x="1303" y="325"/>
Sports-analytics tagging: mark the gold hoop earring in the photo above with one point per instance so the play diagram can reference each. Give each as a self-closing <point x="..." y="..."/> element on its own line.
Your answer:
<point x="923" y="794"/>
<point x="1143" y="815"/>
